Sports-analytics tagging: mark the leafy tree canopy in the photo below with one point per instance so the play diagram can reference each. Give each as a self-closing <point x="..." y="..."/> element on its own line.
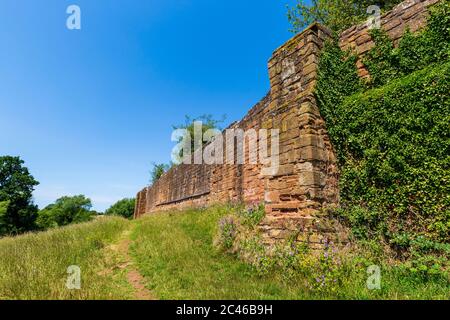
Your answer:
<point x="65" y="211"/>
<point x="208" y="123"/>
<point x="3" y="211"/>
<point x="16" y="187"/>
<point x="124" y="208"/>
<point x="158" y="171"/>
<point x="335" y="14"/>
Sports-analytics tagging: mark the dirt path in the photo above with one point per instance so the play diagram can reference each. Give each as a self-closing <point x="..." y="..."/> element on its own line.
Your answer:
<point x="135" y="279"/>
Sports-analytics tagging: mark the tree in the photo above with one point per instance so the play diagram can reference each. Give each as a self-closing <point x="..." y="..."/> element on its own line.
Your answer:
<point x="16" y="187"/>
<point x="65" y="211"/>
<point x="335" y="14"/>
<point x="124" y="208"/>
<point x="158" y="171"/>
<point x="208" y="123"/>
<point x="3" y="211"/>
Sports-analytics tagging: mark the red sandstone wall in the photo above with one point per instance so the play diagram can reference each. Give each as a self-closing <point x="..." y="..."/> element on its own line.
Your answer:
<point x="292" y="72"/>
<point x="307" y="179"/>
<point x="307" y="176"/>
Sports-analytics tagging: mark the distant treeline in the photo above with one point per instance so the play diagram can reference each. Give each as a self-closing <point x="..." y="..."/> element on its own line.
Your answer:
<point x="19" y="214"/>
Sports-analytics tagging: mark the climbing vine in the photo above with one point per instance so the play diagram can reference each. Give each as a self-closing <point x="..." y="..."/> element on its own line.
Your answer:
<point x="392" y="134"/>
<point x="415" y="51"/>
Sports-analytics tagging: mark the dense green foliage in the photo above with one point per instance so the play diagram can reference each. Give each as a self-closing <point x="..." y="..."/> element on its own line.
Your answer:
<point x="392" y="138"/>
<point x="65" y="211"/>
<point x="396" y="153"/>
<point x="337" y="79"/>
<point x="123" y="208"/>
<point x="414" y="52"/>
<point x="3" y="209"/>
<point x="16" y="187"/>
<point x="335" y="14"/>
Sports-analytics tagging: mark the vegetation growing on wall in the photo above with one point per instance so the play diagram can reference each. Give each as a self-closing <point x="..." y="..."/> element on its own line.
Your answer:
<point x="392" y="138"/>
<point x="158" y="171"/>
<point x="336" y="14"/>
<point x="415" y="51"/>
<point x="328" y="273"/>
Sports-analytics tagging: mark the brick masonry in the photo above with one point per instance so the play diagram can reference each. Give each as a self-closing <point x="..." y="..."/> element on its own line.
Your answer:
<point x="307" y="180"/>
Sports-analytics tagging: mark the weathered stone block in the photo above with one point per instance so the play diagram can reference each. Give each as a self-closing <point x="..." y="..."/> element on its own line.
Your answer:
<point x="311" y="178"/>
<point x="284" y="170"/>
<point x="312" y="153"/>
<point x="308" y="108"/>
<point x="391" y="24"/>
<point x="310" y="140"/>
<point x="272" y="196"/>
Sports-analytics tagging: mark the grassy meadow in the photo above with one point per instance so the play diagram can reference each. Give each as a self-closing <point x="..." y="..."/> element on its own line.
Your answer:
<point x="34" y="266"/>
<point x="176" y="257"/>
<point x="175" y="252"/>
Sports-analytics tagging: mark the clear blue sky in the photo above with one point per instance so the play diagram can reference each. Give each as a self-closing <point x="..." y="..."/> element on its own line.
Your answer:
<point x="89" y="110"/>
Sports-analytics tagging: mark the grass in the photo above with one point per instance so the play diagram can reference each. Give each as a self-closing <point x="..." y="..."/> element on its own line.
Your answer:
<point x="176" y="255"/>
<point x="34" y="266"/>
<point x="175" y="252"/>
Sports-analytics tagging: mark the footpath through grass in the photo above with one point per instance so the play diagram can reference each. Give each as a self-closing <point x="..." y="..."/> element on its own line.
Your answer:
<point x="176" y="255"/>
<point x="173" y="256"/>
<point x="34" y="266"/>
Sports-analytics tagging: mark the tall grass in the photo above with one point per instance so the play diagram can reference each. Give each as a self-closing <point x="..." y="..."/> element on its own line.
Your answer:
<point x="176" y="254"/>
<point x="34" y="266"/>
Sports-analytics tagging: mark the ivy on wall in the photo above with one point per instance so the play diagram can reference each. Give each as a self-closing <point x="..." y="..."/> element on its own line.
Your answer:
<point x="414" y="52"/>
<point x="392" y="134"/>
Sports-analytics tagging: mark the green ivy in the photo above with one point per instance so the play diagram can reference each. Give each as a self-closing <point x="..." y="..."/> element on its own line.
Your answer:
<point x="392" y="134"/>
<point x="337" y="79"/>
<point x="396" y="158"/>
<point x="386" y="62"/>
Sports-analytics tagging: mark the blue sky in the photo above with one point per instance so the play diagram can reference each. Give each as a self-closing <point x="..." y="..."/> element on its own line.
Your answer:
<point x="89" y="110"/>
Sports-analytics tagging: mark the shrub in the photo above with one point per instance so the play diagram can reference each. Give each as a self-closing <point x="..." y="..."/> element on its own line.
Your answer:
<point x="252" y="216"/>
<point x="252" y="250"/>
<point x="329" y="272"/>
<point x="227" y="232"/>
<point x="395" y="158"/>
<point x="123" y="208"/>
<point x="65" y="211"/>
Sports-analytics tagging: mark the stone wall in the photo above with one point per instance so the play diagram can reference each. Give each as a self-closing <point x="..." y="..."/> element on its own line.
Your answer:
<point x="307" y="179"/>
